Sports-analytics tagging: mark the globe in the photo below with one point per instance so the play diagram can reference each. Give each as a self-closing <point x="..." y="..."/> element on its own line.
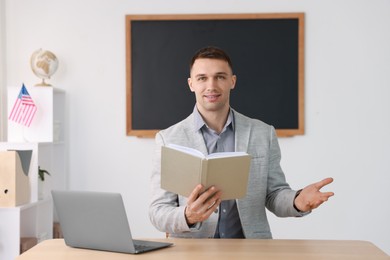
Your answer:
<point x="44" y="64"/>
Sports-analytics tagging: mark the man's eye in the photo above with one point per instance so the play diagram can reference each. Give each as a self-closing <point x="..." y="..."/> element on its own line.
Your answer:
<point x="221" y="77"/>
<point x="201" y="78"/>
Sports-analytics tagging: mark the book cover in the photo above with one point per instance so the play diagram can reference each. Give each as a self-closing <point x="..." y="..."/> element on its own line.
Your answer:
<point x="182" y="168"/>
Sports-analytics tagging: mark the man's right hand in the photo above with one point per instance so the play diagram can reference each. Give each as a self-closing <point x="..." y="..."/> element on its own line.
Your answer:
<point x="201" y="206"/>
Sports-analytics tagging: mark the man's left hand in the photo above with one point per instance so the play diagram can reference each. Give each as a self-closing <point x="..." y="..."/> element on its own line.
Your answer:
<point x="311" y="197"/>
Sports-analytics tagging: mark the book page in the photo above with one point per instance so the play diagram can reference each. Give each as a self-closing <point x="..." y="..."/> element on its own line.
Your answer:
<point x="225" y="154"/>
<point x="187" y="150"/>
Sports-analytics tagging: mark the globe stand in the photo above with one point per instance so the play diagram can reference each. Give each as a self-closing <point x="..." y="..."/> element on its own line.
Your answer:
<point x="42" y="84"/>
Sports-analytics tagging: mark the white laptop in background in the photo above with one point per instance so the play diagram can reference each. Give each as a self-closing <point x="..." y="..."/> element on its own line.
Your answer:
<point x="98" y="220"/>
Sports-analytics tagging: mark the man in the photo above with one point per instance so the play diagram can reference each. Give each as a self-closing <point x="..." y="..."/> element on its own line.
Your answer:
<point x="215" y="127"/>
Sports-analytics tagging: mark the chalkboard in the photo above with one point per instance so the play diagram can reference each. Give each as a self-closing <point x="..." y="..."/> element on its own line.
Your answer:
<point x="267" y="51"/>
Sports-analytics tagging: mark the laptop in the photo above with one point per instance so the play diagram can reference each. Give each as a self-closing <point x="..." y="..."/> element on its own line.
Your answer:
<point x="98" y="220"/>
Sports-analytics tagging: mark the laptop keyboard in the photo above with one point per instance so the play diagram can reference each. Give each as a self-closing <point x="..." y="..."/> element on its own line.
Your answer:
<point x="140" y="247"/>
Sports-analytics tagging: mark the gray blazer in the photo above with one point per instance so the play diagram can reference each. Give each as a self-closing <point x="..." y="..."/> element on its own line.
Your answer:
<point x="267" y="186"/>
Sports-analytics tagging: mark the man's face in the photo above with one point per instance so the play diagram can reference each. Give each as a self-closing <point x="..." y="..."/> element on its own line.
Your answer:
<point x="211" y="80"/>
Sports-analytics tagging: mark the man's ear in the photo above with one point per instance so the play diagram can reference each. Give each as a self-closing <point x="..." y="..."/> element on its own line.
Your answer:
<point x="234" y="80"/>
<point x="189" y="81"/>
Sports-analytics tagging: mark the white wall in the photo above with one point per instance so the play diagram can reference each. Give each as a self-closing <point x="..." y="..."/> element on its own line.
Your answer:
<point x="347" y="88"/>
<point x="3" y="96"/>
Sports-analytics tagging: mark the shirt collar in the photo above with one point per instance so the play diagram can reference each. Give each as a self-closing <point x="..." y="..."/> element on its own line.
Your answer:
<point x="199" y="122"/>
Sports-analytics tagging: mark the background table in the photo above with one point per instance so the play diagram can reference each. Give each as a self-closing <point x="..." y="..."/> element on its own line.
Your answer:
<point x="220" y="249"/>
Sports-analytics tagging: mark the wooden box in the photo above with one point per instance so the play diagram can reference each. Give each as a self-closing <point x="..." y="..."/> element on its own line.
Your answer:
<point x="14" y="181"/>
<point x="26" y="243"/>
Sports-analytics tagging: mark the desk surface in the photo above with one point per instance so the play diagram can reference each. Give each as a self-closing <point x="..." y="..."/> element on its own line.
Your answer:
<point x="220" y="249"/>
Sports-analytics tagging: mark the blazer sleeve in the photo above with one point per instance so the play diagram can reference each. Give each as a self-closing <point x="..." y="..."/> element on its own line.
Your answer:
<point x="280" y="197"/>
<point x="165" y="213"/>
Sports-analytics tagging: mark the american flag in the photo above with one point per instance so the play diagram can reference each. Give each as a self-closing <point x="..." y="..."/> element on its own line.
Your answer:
<point x="24" y="108"/>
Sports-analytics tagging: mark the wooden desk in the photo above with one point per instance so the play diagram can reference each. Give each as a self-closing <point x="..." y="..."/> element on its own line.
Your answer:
<point x="220" y="249"/>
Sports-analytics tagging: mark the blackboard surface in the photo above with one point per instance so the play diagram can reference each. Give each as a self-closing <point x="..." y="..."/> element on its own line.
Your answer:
<point x="266" y="55"/>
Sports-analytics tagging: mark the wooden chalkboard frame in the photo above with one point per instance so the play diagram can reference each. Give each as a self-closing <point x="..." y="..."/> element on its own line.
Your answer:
<point x="129" y="70"/>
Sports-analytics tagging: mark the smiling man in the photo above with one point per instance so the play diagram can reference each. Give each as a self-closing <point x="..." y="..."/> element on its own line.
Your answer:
<point x="216" y="127"/>
<point x="212" y="80"/>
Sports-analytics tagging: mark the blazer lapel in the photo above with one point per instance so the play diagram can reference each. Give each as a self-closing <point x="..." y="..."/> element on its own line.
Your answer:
<point x="197" y="141"/>
<point x="242" y="132"/>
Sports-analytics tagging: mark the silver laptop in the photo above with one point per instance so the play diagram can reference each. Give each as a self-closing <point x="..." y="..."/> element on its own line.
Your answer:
<point x="98" y="220"/>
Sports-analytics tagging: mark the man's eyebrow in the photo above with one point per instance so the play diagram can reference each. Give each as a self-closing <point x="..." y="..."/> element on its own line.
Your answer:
<point x="222" y="73"/>
<point x="200" y="75"/>
<point x="218" y="73"/>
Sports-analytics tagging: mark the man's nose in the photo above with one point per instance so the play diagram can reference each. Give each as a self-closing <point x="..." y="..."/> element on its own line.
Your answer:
<point x="211" y="83"/>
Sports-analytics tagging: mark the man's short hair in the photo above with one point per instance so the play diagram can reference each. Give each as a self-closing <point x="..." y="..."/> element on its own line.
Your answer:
<point x="211" y="52"/>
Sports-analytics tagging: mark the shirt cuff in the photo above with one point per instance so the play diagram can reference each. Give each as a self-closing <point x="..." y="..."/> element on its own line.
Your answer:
<point x="195" y="227"/>
<point x="296" y="195"/>
<point x="301" y="213"/>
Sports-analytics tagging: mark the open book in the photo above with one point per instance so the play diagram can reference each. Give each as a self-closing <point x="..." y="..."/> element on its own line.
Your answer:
<point x="182" y="168"/>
